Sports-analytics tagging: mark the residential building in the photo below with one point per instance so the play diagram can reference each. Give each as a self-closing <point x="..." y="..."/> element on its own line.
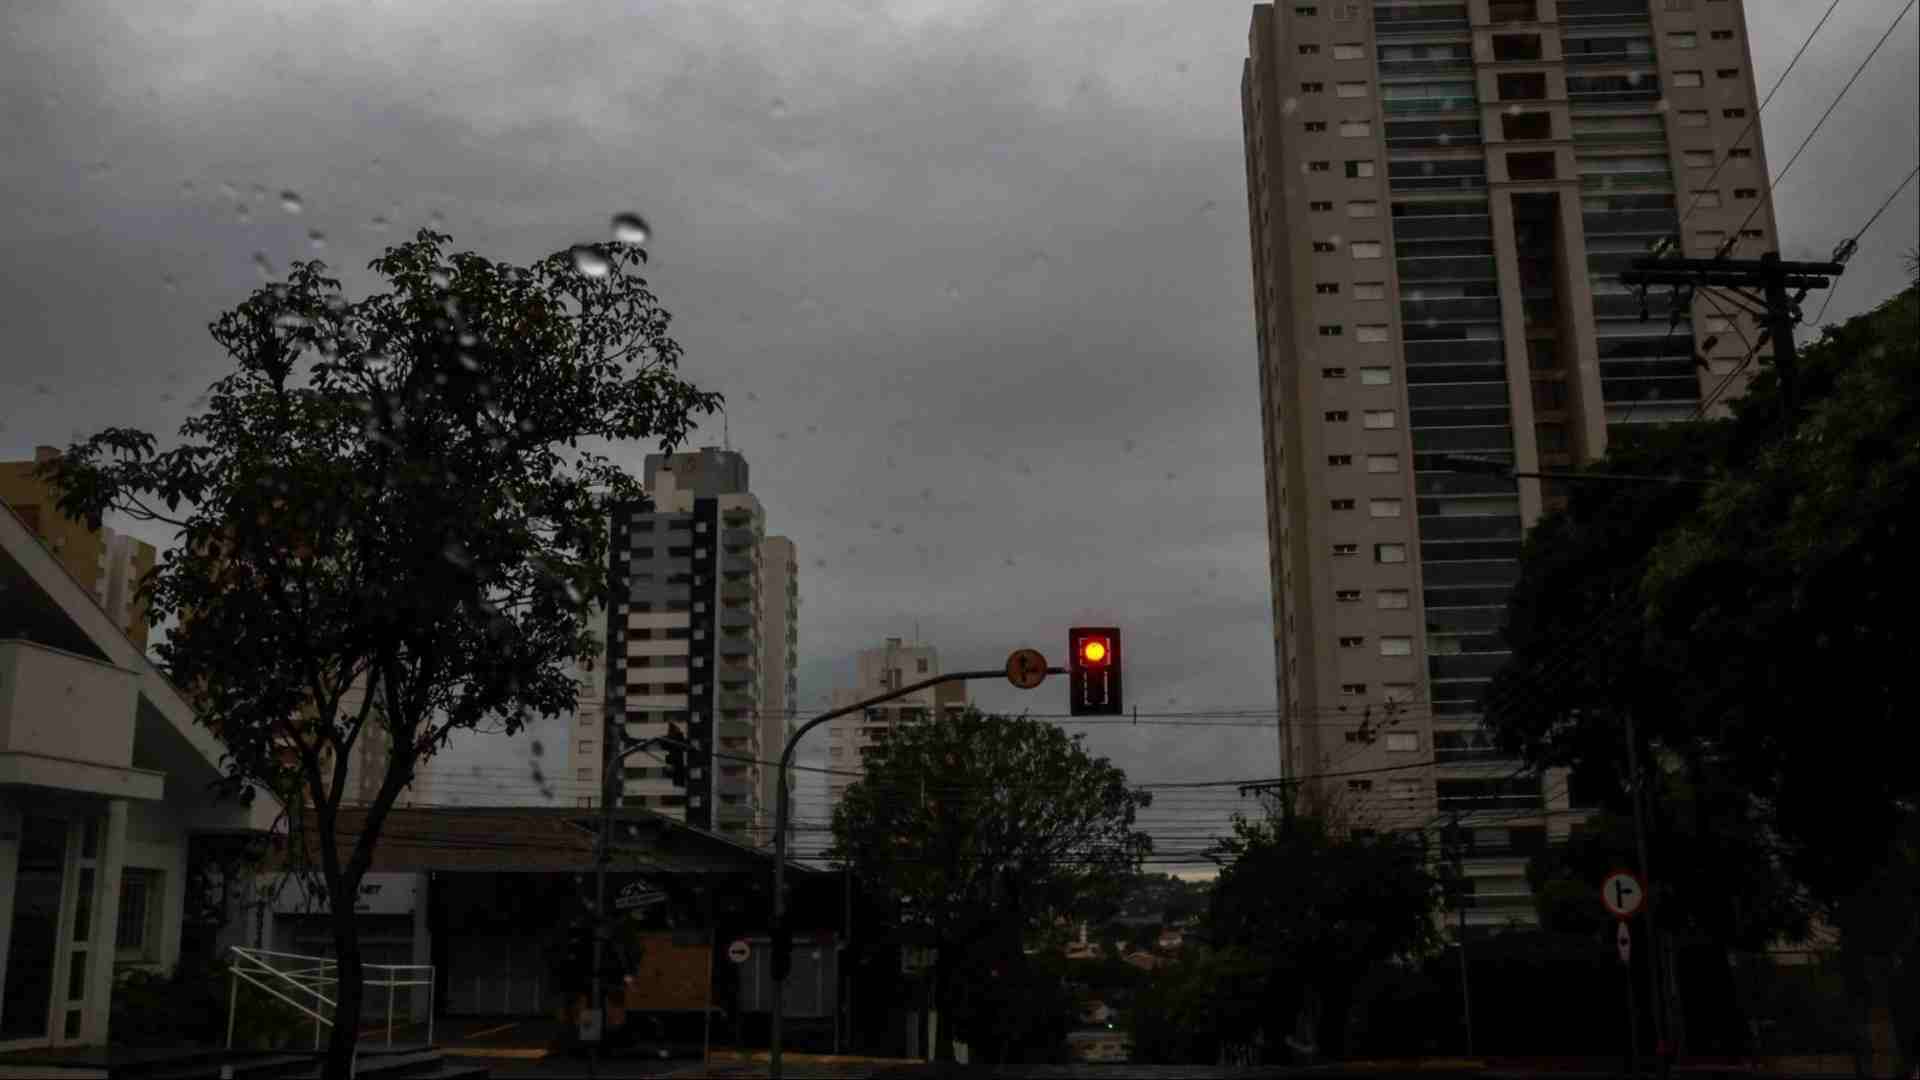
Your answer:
<point x="106" y="808"/>
<point x="1442" y="196"/>
<point x="780" y="649"/>
<point x="890" y="667"/>
<point x="691" y="643"/>
<point x="108" y="564"/>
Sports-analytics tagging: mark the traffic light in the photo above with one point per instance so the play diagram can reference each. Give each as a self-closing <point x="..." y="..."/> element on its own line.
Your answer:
<point x="676" y="755"/>
<point x="1093" y="671"/>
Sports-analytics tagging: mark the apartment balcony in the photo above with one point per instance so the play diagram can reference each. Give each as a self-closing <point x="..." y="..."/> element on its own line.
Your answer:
<point x="736" y="591"/>
<point x="740" y="813"/>
<point x="738" y="539"/>
<point x="738" y="700"/>
<point x="737" y="675"/>
<point x="736" y="619"/>
<point x="68" y="721"/>
<point x="660" y="595"/>
<point x="735" y="645"/>
<point x="736" y="729"/>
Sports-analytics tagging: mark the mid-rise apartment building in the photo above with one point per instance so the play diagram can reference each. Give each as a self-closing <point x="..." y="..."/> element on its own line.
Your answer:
<point x="889" y="667"/>
<point x="1442" y="196"/>
<point x="108" y="564"/>
<point x="693" y="642"/>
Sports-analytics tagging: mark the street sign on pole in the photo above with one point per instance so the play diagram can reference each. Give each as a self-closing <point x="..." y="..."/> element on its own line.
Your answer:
<point x="739" y="951"/>
<point x="1026" y="668"/>
<point x="1623" y="940"/>
<point x="1623" y="893"/>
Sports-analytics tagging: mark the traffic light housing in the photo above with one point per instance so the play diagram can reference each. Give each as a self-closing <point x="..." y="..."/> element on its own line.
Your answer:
<point x="1093" y="671"/>
<point x="676" y="755"/>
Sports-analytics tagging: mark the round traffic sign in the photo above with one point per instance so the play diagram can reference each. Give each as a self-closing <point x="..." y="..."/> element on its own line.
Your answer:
<point x="739" y="951"/>
<point x="1026" y="668"/>
<point x="1623" y="893"/>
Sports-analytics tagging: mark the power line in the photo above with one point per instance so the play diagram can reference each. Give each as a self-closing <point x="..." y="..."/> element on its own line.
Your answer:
<point x="1862" y="231"/>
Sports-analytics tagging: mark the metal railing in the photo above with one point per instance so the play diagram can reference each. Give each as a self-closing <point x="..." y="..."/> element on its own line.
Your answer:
<point x="305" y="983"/>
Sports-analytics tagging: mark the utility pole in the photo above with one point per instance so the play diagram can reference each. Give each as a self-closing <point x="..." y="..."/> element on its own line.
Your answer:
<point x="1655" y="960"/>
<point x="1460" y="903"/>
<point x="1754" y="285"/>
<point x="774" y="1065"/>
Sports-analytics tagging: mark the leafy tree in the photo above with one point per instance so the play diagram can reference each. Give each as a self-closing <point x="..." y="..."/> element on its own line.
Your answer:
<point x="1205" y="1000"/>
<point x="388" y="526"/>
<point x="1321" y="906"/>
<point x="982" y="828"/>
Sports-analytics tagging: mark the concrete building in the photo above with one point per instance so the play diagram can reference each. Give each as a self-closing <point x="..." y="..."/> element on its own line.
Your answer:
<point x="889" y="667"/>
<point x="105" y="811"/>
<point x="693" y="643"/>
<point x="1442" y="196"/>
<point x="780" y="649"/>
<point x="109" y="564"/>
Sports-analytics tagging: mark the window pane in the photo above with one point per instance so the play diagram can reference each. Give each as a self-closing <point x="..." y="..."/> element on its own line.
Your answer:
<point x="1383" y="463"/>
<point x="1392" y="599"/>
<point x="1376" y="376"/>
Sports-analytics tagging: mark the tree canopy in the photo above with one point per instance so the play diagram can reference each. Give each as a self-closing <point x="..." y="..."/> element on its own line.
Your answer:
<point x="392" y="516"/>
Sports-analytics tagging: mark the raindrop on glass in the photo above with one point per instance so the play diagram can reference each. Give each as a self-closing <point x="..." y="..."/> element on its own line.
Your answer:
<point x="440" y="278"/>
<point x="317" y="239"/>
<point x="379" y="223"/>
<point x="777" y="108"/>
<point x="228" y="191"/>
<point x="537" y="748"/>
<point x="436" y="221"/>
<point x="1129" y="445"/>
<point x="290" y="202"/>
<point x="171" y="282"/>
<point x="631" y="229"/>
<point x="590" y="261"/>
<point x="263" y="264"/>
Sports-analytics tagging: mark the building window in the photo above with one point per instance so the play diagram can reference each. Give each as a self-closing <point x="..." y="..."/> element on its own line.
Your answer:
<point x="1359" y="170"/>
<point x="1721" y="35"/>
<point x="1331" y="331"/>
<point x="1327" y="288"/>
<point x="1401" y="742"/>
<point x="1688" y="79"/>
<point x="1746" y="193"/>
<point x="1319" y="166"/>
<point x="1319" y="207"/>
<point x="1391" y="599"/>
<point x="1523" y="86"/>
<point x="1345" y="551"/>
<point x="1707" y="198"/>
<point x="1726" y="73"/>
<point x="1314" y="127"/>
<point x="1359" y="785"/>
<point x="1697" y="159"/>
<point x="1336" y="416"/>
<point x="1323" y="246"/>
<point x="1734" y="114"/>
<point x="1349" y="52"/>
<point x="1710" y="240"/>
<point x="1376" y="376"/>
<point x="1355" y="129"/>
<point x="1352" y="642"/>
<point x="583" y="774"/>
<point x="1389" y="553"/>
<point x="1369" y="290"/>
<point x="134" y="939"/>
<point x="1350" y="89"/>
<point x="1306" y="11"/>
<point x="1309" y="50"/>
<point x="1312" y="87"/>
<point x="1341" y="504"/>
<point x="1397" y="691"/>
<point x="1530" y="167"/>
<point x="1353" y="689"/>
<point x="1383" y="463"/>
<point x="1333" y="373"/>
<point x="1740" y="152"/>
<point x="1685" y="40"/>
<point x="1384" y="508"/>
<point x="1396" y="646"/>
<point x="1366" y="249"/>
<point x="1516" y="48"/>
<point x="1339" y="460"/>
<point x="1363" y="208"/>
<point x="1346" y="596"/>
<point x="1694" y="118"/>
<point x="1379" y="419"/>
<point x="1752" y="234"/>
<point x="1370" y="333"/>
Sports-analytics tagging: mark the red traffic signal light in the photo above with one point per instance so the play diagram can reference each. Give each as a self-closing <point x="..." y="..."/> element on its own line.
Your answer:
<point x="1093" y="671"/>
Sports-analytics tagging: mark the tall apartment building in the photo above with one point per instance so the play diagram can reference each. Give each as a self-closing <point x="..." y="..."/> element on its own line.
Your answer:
<point x="695" y="642"/>
<point x="780" y="645"/>
<point x="1442" y="196"/>
<point x="889" y="667"/>
<point x="109" y="564"/>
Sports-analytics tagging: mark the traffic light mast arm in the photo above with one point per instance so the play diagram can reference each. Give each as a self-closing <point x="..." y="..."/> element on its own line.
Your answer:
<point x="780" y="823"/>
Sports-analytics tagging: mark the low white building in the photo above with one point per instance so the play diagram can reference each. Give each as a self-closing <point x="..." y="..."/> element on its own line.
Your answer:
<point x="104" y="783"/>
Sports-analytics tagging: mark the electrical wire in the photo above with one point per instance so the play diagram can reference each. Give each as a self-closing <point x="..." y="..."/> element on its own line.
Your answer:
<point x="1862" y="231"/>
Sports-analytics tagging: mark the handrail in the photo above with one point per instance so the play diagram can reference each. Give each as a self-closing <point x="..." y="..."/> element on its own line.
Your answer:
<point x="255" y="966"/>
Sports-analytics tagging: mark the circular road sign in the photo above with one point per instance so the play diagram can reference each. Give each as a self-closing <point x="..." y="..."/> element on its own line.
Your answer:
<point x="1624" y="893"/>
<point x="1026" y="668"/>
<point x="739" y="951"/>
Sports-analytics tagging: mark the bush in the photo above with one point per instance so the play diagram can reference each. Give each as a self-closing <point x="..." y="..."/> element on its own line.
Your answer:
<point x="189" y="1008"/>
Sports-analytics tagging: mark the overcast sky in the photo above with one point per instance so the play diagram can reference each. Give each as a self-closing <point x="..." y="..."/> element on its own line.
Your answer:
<point x="973" y="276"/>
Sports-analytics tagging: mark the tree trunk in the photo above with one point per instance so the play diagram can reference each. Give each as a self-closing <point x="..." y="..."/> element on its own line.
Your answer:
<point x="943" y="1002"/>
<point x="350" y="989"/>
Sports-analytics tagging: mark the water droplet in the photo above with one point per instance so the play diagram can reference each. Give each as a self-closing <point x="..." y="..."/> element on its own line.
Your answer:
<point x="631" y="229"/>
<point x="468" y="363"/>
<point x="1129" y="445"/>
<point x="290" y="202"/>
<point x="899" y="530"/>
<point x="1182" y="67"/>
<point x="456" y="553"/>
<point x="1008" y="561"/>
<point x="188" y="189"/>
<point x="781" y="436"/>
<point x="289" y="320"/>
<point x="777" y="108"/>
<point x="813" y="429"/>
<point x="819" y="564"/>
<point x="263" y="264"/>
<point x="537" y="748"/>
<point x="751" y="396"/>
<point x="379" y="223"/>
<point x="228" y="191"/>
<point x="436" y="221"/>
<point x="171" y="282"/>
<point x="440" y="278"/>
<point x="98" y="169"/>
<point x="243" y="214"/>
<point x="590" y="261"/>
<point x="317" y="239"/>
<point x="926" y="493"/>
<point x="1289" y="106"/>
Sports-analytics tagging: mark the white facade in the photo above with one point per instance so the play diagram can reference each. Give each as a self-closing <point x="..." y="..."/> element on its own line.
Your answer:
<point x="103" y="786"/>
<point x="889" y="667"/>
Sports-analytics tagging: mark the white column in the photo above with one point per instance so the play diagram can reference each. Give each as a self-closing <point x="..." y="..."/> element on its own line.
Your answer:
<point x="11" y="822"/>
<point x="106" y="919"/>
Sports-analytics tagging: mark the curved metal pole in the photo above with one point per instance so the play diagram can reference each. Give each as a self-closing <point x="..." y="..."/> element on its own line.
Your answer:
<point x="780" y="828"/>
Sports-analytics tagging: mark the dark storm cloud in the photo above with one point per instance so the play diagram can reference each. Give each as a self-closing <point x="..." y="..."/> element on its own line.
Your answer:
<point x="972" y="276"/>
